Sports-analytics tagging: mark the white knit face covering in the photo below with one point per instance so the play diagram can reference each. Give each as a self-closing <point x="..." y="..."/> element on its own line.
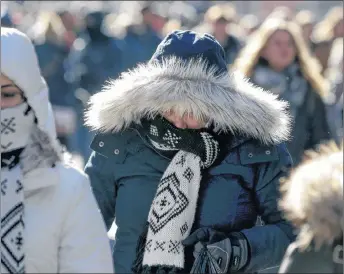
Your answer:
<point x="15" y="127"/>
<point x="16" y="124"/>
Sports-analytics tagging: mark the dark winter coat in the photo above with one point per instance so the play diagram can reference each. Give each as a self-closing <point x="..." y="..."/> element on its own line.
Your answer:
<point x="138" y="45"/>
<point x="232" y="49"/>
<point x="125" y="170"/>
<point x="51" y="57"/>
<point x="328" y="259"/>
<point x="310" y="126"/>
<point x="94" y="58"/>
<point x="100" y="60"/>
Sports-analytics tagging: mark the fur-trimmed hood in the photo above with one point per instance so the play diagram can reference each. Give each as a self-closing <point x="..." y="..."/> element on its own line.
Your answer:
<point x="229" y="102"/>
<point x="312" y="197"/>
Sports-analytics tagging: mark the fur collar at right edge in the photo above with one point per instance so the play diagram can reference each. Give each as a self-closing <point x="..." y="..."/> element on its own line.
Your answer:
<point x="312" y="198"/>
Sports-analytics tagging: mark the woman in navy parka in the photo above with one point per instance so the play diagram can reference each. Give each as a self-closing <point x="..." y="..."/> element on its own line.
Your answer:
<point x="186" y="153"/>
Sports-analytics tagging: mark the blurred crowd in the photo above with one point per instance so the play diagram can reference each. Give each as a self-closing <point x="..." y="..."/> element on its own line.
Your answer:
<point x="81" y="45"/>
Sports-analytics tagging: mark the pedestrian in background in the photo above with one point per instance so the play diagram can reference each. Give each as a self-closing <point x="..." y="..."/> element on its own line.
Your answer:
<point x="277" y="59"/>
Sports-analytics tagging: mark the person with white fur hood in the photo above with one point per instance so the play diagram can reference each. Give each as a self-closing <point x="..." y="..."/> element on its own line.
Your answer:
<point x="312" y="199"/>
<point x="50" y="221"/>
<point x="186" y="157"/>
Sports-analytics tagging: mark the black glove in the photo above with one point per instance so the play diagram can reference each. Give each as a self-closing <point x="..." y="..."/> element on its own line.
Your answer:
<point x="230" y="252"/>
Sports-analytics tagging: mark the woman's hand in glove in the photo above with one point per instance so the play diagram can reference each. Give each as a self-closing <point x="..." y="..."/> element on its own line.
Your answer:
<point x="230" y="252"/>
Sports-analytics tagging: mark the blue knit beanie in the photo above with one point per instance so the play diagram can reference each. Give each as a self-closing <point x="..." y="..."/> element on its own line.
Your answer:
<point x="189" y="45"/>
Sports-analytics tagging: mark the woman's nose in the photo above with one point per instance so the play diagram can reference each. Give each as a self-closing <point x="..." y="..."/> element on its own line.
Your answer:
<point x="191" y="122"/>
<point x="179" y="123"/>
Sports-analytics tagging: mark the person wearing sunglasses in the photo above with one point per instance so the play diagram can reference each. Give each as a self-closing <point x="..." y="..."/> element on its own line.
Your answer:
<point x="50" y="222"/>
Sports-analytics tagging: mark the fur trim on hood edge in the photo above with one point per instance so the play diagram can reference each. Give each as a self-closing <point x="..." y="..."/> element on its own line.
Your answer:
<point x="312" y="197"/>
<point x="229" y="102"/>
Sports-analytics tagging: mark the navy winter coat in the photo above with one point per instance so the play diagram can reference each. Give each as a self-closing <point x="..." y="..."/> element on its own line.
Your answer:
<point x="125" y="170"/>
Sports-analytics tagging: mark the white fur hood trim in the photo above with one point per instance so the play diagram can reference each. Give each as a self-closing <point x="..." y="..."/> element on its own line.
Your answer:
<point x="229" y="102"/>
<point x="313" y="200"/>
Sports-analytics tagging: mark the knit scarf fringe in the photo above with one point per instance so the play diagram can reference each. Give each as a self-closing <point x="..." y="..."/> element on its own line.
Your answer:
<point x="140" y="250"/>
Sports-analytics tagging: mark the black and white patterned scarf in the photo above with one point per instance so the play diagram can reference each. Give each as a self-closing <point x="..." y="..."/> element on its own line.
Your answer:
<point x="173" y="208"/>
<point x="16" y="125"/>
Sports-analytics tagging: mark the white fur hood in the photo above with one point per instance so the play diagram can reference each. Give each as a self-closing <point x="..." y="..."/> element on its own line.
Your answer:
<point x="229" y="102"/>
<point x="313" y="197"/>
<point x="20" y="64"/>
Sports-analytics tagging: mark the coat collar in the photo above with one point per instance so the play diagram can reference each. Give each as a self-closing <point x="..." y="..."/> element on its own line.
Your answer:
<point x="41" y="178"/>
<point x="116" y="147"/>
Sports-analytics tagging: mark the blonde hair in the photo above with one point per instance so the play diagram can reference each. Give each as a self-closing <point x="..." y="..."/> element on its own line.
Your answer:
<point x="281" y="12"/>
<point x="224" y="10"/>
<point x="250" y="54"/>
<point x="324" y="30"/>
<point x="237" y="30"/>
<point x="304" y="17"/>
<point x="335" y="60"/>
<point x="49" y="26"/>
<point x="312" y="197"/>
<point x="249" y="21"/>
<point x="171" y="25"/>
